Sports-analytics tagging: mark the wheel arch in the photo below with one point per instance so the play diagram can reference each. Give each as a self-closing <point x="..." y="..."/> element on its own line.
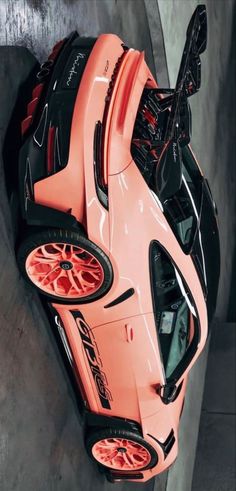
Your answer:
<point x="44" y="216"/>
<point x="99" y="421"/>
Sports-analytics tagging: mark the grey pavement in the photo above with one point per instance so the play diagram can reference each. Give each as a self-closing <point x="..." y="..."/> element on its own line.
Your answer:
<point x="216" y="453"/>
<point x="39" y="24"/>
<point x="41" y="438"/>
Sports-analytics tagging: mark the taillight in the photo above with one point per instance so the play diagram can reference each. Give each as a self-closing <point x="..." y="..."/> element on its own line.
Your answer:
<point x="25" y="124"/>
<point x="31" y="108"/>
<point x="45" y="70"/>
<point x="37" y="90"/>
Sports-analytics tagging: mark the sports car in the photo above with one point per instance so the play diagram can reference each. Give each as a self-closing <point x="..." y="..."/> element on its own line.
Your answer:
<point x="119" y="233"/>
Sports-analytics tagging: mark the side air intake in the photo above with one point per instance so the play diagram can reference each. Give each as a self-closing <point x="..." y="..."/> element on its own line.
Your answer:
<point x="168" y="444"/>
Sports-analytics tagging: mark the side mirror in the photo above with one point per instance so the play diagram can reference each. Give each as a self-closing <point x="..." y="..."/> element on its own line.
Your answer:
<point x="168" y="393"/>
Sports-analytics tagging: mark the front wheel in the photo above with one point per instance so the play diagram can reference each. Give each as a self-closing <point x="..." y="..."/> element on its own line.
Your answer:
<point x="120" y="450"/>
<point x="65" y="266"/>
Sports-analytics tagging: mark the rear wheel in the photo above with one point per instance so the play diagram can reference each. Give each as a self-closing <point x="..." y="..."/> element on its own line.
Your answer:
<point x="120" y="450"/>
<point x="64" y="265"/>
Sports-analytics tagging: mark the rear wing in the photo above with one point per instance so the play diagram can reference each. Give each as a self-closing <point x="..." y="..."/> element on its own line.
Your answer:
<point x="177" y="134"/>
<point x="188" y="80"/>
<point x="157" y="148"/>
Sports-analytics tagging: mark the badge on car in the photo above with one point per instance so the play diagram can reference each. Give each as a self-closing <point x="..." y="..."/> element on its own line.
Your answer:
<point x="74" y="69"/>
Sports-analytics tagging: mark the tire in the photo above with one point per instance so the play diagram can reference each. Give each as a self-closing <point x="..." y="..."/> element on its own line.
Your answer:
<point x="65" y="266"/>
<point x="124" y="443"/>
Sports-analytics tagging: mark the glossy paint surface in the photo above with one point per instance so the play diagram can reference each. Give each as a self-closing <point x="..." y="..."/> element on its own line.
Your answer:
<point x="121" y="342"/>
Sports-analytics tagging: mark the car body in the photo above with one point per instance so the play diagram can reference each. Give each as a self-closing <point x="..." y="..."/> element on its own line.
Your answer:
<point x="123" y="251"/>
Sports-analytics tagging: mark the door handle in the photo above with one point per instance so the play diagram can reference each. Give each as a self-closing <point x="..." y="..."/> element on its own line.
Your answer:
<point x="129" y="333"/>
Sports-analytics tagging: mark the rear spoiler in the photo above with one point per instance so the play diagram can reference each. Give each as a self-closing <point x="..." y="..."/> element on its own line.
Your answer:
<point x="163" y="150"/>
<point x="177" y="132"/>
<point x="188" y="82"/>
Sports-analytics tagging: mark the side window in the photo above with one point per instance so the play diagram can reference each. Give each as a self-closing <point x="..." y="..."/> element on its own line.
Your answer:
<point x="182" y="210"/>
<point x="181" y="216"/>
<point x="175" y="315"/>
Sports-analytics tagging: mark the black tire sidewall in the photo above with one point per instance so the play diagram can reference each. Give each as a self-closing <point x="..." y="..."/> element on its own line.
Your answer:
<point x="34" y="240"/>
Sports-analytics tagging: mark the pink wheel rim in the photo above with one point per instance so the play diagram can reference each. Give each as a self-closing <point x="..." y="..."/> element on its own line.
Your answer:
<point x="64" y="270"/>
<point x="121" y="454"/>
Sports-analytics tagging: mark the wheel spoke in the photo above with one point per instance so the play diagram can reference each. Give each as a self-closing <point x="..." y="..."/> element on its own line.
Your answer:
<point x="87" y="267"/>
<point x="41" y="269"/>
<point x="46" y="253"/>
<point x="63" y="252"/>
<point x="82" y="281"/>
<point x="107" y="445"/>
<point x="128" y="460"/>
<point x="55" y="287"/>
<point x="109" y="456"/>
<point x="47" y="276"/>
<point x="59" y="247"/>
<point x="44" y="260"/>
<point x="72" y="281"/>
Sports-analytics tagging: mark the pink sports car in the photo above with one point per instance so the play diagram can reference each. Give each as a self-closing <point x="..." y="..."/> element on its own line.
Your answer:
<point x="120" y="235"/>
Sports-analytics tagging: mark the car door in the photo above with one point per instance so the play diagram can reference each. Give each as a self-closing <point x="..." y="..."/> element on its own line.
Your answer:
<point x="175" y="313"/>
<point x="131" y="363"/>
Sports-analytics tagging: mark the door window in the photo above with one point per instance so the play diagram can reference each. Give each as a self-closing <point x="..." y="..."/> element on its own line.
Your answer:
<point x="175" y="314"/>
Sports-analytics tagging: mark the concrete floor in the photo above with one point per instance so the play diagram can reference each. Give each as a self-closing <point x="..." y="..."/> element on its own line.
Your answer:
<point x="41" y="443"/>
<point x="40" y="434"/>
<point x="38" y="24"/>
<point x="217" y="436"/>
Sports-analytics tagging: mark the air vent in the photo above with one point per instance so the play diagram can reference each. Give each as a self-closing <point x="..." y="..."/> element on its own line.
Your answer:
<point x="101" y="187"/>
<point x="168" y="444"/>
<point x="148" y="135"/>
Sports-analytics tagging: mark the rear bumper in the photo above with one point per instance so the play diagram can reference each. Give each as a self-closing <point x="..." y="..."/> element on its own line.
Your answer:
<point x="49" y="113"/>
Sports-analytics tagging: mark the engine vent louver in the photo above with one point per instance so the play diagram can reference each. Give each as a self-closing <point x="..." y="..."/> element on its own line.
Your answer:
<point x="149" y="130"/>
